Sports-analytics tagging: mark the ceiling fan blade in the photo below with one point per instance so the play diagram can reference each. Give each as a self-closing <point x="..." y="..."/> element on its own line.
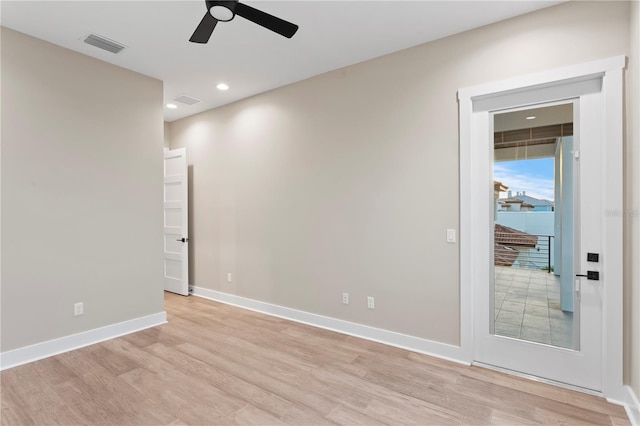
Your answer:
<point x="270" y="22"/>
<point x="205" y="29"/>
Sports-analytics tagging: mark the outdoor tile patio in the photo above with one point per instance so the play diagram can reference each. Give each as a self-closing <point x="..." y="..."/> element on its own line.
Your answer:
<point x="527" y="306"/>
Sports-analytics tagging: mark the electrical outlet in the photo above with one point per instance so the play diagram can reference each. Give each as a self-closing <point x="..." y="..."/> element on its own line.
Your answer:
<point x="371" y="304"/>
<point x="229" y="277"/>
<point x="78" y="309"/>
<point x="345" y="298"/>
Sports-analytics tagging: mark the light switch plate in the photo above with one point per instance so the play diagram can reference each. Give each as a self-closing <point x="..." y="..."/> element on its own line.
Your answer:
<point x="451" y="235"/>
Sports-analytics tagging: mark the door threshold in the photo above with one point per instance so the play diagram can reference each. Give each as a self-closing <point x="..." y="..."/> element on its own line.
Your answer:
<point x="538" y="379"/>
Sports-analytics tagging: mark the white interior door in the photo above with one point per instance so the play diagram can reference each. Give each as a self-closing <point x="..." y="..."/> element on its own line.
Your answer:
<point x="593" y="361"/>
<point x="176" y="229"/>
<point x="521" y="297"/>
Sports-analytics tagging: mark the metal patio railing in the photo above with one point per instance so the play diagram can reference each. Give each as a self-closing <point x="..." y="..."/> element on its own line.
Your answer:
<point x="523" y="255"/>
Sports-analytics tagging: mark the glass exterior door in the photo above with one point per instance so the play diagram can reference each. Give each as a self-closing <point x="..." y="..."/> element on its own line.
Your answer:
<point x="533" y="244"/>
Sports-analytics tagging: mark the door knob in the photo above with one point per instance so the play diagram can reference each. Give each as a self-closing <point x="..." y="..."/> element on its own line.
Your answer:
<point x="184" y="240"/>
<point x="591" y="275"/>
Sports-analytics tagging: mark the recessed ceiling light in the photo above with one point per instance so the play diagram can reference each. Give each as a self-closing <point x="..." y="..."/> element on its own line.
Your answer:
<point x="531" y="117"/>
<point x="172" y="106"/>
<point x="222" y="86"/>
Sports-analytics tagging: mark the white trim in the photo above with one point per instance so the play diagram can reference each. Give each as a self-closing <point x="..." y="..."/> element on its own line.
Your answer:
<point x="611" y="68"/>
<point x="411" y="343"/>
<point x="542" y="380"/>
<point x="613" y="265"/>
<point x="27" y="354"/>
<point x="545" y="77"/>
<point x="631" y="405"/>
<point x="467" y="169"/>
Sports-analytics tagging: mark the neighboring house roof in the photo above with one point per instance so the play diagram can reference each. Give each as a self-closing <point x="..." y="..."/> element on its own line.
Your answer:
<point x="517" y="201"/>
<point x="499" y="186"/>
<point x="533" y="201"/>
<point x="506" y="239"/>
<point x="504" y="256"/>
<point x="513" y="238"/>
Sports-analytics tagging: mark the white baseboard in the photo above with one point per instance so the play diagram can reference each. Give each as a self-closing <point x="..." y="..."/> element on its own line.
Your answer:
<point x="632" y="406"/>
<point x="49" y="348"/>
<point x="415" y="344"/>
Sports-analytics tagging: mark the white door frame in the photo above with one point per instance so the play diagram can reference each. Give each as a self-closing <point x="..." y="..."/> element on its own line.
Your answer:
<point x="473" y="194"/>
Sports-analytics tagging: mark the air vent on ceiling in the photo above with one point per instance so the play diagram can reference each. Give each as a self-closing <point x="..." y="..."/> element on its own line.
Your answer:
<point x="187" y="100"/>
<point x="104" y="43"/>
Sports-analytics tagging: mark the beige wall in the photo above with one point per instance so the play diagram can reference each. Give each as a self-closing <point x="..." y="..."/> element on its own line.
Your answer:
<point x="81" y="192"/>
<point x="348" y="181"/>
<point x="632" y="219"/>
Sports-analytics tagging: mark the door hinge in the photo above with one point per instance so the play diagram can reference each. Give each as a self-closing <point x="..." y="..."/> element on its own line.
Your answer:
<point x="576" y="154"/>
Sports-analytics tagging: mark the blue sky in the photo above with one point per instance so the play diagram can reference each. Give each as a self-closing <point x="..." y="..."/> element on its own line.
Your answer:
<point x="533" y="176"/>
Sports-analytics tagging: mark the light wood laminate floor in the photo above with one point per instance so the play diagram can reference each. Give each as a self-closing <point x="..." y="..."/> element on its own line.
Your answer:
<point x="217" y="364"/>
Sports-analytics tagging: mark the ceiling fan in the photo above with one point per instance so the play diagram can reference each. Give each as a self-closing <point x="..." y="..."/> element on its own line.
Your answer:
<point x="226" y="10"/>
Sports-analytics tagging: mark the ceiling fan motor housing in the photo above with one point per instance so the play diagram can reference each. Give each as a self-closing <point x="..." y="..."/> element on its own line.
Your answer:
<point x="222" y="10"/>
<point x="226" y="10"/>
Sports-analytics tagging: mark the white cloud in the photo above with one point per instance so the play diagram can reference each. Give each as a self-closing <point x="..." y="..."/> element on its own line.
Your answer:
<point x="535" y="186"/>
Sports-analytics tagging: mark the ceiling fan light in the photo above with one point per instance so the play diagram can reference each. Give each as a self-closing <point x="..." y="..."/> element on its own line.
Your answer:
<point x="221" y="13"/>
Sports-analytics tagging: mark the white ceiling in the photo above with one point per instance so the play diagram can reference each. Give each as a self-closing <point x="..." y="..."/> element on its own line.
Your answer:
<point x="544" y="116"/>
<point x="249" y="58"/>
